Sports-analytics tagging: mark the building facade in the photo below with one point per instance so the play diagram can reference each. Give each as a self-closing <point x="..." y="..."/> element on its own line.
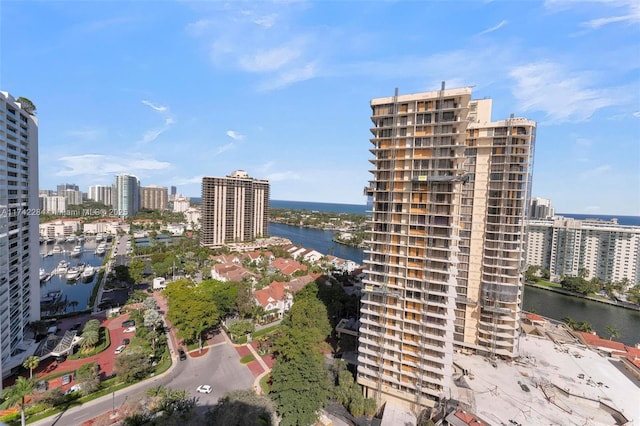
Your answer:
<point x="61" y="188"/>
<point x="101" y="194"/>
<point x="153" y="197"/>
<point x="72" y="196"/>
<point x="234" y="209"/>
<point x="541" y="208"/>
<point x="181" y="204"/>
<point x="53" y="204"/>
<point x="19" y="249"/>
<point x="126" y="195"/>
<point x="604" y="249"/>
<point x="449" y="197"/>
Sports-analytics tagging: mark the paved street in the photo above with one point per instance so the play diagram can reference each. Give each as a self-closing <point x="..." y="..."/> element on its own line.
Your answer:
<point x="220" y="368"/>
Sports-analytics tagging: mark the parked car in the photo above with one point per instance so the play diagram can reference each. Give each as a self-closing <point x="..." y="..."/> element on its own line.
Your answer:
<point x="76" y="326"/>
<point x="182" y="355"/>
<point x="61" y="358"/>
<point x="119" y="349"/>
<point x="204" y="389"/>
<point x="131" y="329"/>
<point x="126" y="341"/>
<point x="128" y="323"/>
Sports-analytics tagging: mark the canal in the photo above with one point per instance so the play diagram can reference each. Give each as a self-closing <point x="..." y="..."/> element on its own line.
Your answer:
<point x="544" y="302"/>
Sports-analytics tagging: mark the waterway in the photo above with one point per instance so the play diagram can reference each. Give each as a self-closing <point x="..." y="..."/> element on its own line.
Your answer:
<point x="78" y="291"/>
<point x="545" y="303"/>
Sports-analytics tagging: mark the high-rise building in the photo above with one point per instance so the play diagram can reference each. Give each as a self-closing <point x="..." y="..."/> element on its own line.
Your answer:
<point x="181" y="204"/>
<point x="53" y="204"/>
<point x="73" y="196"/>
<point x="126" y="195"/>
<point x="603" y="249"/>
<point x="449" y="198"/>
<point x="541" y="208"/>
<point x="234" y="209"/>
<point x="19" y="250"/>
<point x="65" y="186"/>
<point x="101" y="194"/>
<point x="153" y="197"/>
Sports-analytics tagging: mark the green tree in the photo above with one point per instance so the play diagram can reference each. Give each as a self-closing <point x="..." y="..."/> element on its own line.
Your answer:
<point x="191" y="309"/>
<point x="613" y="332"/>
<point x="300" y="388"/>
<point x="16" y="395"/>
<point x="240" y="408"/>
<point x="370" y="407"/>
<point x="136" y="270"/>
<point x="73" y="305"/>
<point x="31" y="364"/>
<point x="88" y="378"/>
<point x="92" y="324"/>
<point x="27" y="105"/>
<point x="38" y="327"/>
<point x="152" y="319"/>
<point x="133" y="364"/>
<point x="571" y="323"/>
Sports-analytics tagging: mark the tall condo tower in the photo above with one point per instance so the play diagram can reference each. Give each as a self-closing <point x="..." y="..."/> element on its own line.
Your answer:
<point x="234" y="209"/>
<point x="19" y="250"/>
<point x="126" y="195"/>
<point x="449" y="199"/>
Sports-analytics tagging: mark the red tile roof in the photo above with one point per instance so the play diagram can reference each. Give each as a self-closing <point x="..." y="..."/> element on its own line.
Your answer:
<point x="469" y="418"/>
<point x="534" y="317"/>
<point x="275" y="291"/>
<point x="288" y="266"/>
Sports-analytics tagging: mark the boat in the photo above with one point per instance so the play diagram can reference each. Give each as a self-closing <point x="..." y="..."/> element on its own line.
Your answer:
<point x="73" y="273"/>
<point x="62" y="267"/>
<point x="51" y="240"/>
<point x="81" y="238"/>
<point x="77" y="251"/>
<point x="60" y="239"/>
<point x="71" y="239"/>
<point x="51" y="297"/>
<point x="44" y="277"/>
<point x="56" y="249"/>
<point x="99" y="237"/>
<point x="88" y="272"/>
<point x="101" y="249"/>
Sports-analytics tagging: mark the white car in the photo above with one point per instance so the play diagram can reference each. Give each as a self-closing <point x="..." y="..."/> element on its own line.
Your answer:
<point x="130" y="329"/>
<point x="119" y="349"/>
<point x="204" y="389"/>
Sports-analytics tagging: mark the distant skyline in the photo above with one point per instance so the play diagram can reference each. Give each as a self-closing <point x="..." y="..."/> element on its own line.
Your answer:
<point x="171" y="91"/>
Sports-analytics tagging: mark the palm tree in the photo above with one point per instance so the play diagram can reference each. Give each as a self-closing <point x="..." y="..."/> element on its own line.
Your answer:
<point x="31" y="363"/>
<point x="16" y="395"/>
<point x="89" y="339"/>
<point x="571" y="323"/>
<point x="73" y="304"/>
<point x="91" y="325"/>
<point x="613" y="332"/>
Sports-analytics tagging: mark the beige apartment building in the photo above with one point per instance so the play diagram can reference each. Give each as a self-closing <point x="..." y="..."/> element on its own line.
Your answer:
<point x="444" y="268"/>
<point x="154" y="197"/>
<point x="234" y="209"/>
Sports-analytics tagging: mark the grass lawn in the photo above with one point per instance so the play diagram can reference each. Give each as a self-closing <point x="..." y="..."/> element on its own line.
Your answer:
<point x="549" y="284"/>
<point x="264" y="383"/>
<point x="247" y="359"/>
<point x="265" y="331"/>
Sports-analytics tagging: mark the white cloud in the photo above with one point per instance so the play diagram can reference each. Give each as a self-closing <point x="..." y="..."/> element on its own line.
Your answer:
<point x="159" y="108"/>
<point x="562" y="94"/>
<point x="153" y="134"/>
<point x="269" y="60"/>
<point x="263" y="168"/>
<point x="591" y="209"/>
<point x="494" y="28"/>
<point x="95" y="165"/>
<point x="282" y="176"/>
<point x="627" y="11"/>
<point x="307" y="72"/>
<point x="223" y="148"/>
<point x="636" y="114"/>
<point x="235" y="135"/>
<point x="267" y="21"/>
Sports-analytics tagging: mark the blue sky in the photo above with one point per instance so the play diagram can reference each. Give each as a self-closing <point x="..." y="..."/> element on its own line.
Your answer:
<point x="173" y="91"/>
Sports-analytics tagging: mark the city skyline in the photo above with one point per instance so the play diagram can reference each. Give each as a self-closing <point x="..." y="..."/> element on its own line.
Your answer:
<point x="253" y="87"/>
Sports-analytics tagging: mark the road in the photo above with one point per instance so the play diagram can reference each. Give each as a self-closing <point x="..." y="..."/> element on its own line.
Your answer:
<point x="220" y="368"/>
